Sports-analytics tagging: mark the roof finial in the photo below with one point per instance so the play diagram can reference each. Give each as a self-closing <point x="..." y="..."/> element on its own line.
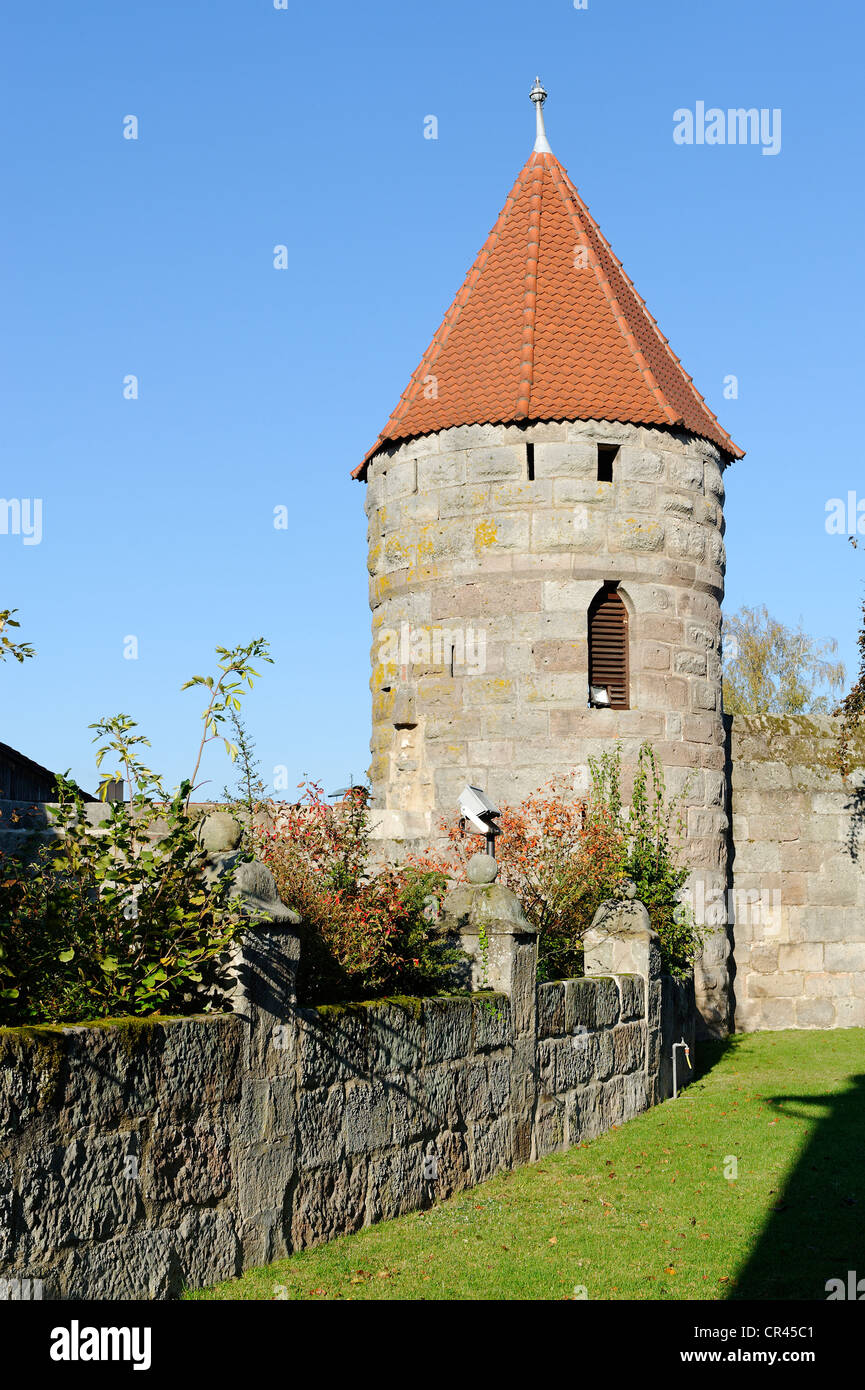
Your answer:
<point x="539" y="96"/>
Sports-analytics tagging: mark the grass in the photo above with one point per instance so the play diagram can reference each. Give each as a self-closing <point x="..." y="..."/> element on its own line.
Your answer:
<point x="645" y="1211"/>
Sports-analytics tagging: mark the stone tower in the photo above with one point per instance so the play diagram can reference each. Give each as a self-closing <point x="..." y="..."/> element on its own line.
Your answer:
<point x="545" y="515"/>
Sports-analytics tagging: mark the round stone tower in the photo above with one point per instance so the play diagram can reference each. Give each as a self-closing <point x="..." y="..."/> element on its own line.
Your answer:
<point x="546" y="546"/>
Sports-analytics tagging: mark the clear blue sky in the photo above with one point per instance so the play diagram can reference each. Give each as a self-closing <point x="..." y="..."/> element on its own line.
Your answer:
<point x="261" y="387"/>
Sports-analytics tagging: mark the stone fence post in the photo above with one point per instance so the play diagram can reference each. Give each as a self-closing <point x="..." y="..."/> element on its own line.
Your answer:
<point x="265" y="996"/>
<point x="621" y="941"/>
<point x="502" y="947"/>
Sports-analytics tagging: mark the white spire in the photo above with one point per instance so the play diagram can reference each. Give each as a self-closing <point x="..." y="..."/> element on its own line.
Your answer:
<point x="539" y="96"/>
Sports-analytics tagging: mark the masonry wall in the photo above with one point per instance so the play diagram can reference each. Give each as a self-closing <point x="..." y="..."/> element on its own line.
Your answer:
<point x="140" y="1157"/>
<point x="797" y="875"/>
<point x="461" y="541"/>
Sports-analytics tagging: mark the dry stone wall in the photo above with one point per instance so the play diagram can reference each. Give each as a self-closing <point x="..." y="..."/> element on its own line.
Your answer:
<point x="141" y="1157"/>
<point x="797" y="900"/>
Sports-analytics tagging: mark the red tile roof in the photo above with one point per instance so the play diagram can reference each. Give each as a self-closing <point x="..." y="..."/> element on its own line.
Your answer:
<point x="547" y="326"/>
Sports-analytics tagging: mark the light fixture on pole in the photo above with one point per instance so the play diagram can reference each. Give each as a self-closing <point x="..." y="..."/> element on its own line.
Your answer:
<point x="476" y="807"/>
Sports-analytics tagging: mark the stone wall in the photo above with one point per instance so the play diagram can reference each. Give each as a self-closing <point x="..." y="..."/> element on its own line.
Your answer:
<point x="139" y="1157"/>
<point x="797" y="902"/>
<point x="463" y="543"/>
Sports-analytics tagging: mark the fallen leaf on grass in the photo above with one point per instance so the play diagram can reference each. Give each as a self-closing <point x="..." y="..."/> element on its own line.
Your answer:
<point x="553" y="1240"/>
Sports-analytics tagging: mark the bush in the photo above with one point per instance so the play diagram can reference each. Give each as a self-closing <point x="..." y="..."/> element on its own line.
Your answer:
<point x="363" y="934"/>
<point x="653" y="833"/>
<point x="118" y="919"/>
<point x="563" y="854"/>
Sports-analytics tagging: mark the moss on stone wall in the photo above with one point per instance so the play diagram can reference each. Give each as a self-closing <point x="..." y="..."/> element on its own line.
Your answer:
<point x="808" y="740"/>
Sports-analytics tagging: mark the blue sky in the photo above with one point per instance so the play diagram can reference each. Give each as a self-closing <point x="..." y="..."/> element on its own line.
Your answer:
<point x="260" y="387"/>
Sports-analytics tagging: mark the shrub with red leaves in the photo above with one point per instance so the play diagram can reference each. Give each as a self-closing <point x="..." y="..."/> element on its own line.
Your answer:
<point x="364" y="934"/>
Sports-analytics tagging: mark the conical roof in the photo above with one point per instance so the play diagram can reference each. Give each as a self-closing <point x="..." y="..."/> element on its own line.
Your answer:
<point x="548" y="326"/>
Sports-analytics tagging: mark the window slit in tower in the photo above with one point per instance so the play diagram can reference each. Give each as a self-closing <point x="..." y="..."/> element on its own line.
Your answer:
<point x="606" y="457"/>
<point x="530" y="462"/>
<point x="453" y="657"/>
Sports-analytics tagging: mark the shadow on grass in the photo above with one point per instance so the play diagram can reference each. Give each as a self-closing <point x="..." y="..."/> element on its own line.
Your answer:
<point x="709" y="1054"/>
<point x="816" y="1228"/>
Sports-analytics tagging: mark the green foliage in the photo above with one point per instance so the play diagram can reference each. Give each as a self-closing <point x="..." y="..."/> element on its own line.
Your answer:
<point x="118" y="920"/>
<point x="654" y="835"/>
<point x="563" y="855"/>
<point x="104" y="923"/>
<point x="235" y="671"/>
<point x="20" y="651"/>
<point x="618" y="847"/>
<point x="249" y="793"/>
<point x="365" y="934"/>
<point x="773" y="669"/>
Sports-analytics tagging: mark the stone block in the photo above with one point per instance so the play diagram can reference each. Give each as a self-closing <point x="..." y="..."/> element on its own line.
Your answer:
<point x="447" y="470"/>
<point x="448" y="1028"/>
<point x="395" y="1036"/>
<point x="633" y="989"/>
<point x="640" y="465"/>
<point x="778" y="1013"/>
<point x="567" y="529"/>
<point x="629" y="1046"/>
<point x="798" y="956"/>
<point x="504" y="461"/>
<point x="577" y="460"/>
<point x="783" y="984"/>
<point x="328" y="1202"/>
<point x="491" y="1022"/>
<point x="551" y="1009"/>
<point x="550" y="1126"/>
<point x="332" y="1045"/>
<point x="491" y="1148"/>
<point x="366" y="1117"/>
<point x="396" y="1183"/>
<point x="815" y="1013"/>
<point x="844" y="956"/>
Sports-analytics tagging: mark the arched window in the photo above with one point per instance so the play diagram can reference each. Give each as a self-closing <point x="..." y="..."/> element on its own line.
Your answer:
<point x="608" y="645"/>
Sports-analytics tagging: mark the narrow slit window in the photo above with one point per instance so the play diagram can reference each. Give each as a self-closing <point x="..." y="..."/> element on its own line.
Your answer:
<point x="530" y="462"/>
<point x="608" y="647"/>
<point x="606" y="458"/>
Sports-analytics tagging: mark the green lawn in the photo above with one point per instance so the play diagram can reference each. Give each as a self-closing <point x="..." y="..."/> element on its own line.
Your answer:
<point x="645" y="1211"/>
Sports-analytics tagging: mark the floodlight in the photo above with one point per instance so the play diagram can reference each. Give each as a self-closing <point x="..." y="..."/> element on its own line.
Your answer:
<point x="599" y="697"/>
<point x="476" y="807"/>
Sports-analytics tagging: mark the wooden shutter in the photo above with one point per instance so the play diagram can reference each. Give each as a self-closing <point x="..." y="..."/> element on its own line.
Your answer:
<point x="608" y="646"/>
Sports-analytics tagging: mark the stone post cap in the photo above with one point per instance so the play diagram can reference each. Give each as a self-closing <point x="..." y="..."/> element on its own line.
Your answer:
<point x="219" y="832"/>
<point x="621" y="941"/>
<point x="617" y="918"/>
<point x="470" y="906"/>
<point x="256" y="886"/>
